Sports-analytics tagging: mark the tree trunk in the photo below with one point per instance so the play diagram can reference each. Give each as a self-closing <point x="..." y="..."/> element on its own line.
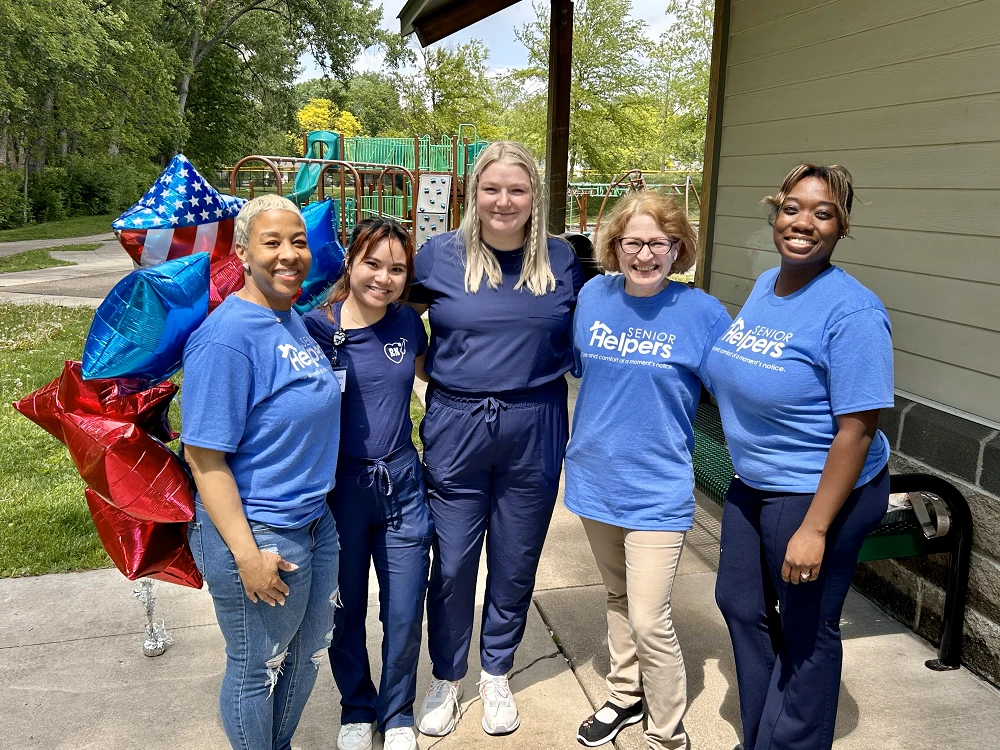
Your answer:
<point x="185" y="84"/>
<point x="3" y="144"/>
<point x="63" y="143"/>
<point x="50" y="100"/>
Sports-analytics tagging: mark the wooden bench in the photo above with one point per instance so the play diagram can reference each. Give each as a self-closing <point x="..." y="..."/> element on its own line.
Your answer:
<point x="938" y="521"/>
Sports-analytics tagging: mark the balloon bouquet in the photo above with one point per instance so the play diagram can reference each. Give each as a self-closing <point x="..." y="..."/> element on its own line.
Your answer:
<point x="110" y="410"/>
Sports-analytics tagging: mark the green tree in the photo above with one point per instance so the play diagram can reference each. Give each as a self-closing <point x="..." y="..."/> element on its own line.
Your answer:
<point x="374" y="99"/>
<point x="608" y="106"/>
<point x="681" y="74"/>
<point x="450" y="87"/>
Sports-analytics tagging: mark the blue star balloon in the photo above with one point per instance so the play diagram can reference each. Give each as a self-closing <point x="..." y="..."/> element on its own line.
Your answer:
<point x="327" y="253"/>
<point x="140" y="329"/>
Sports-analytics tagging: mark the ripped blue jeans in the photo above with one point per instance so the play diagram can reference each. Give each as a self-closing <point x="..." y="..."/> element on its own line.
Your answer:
<point x="272" y="653"/>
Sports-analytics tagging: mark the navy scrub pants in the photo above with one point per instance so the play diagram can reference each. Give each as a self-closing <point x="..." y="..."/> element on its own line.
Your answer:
<point x="492" y="466"/>
<point x="788" y="664"/>
<point x="383" y="511"/>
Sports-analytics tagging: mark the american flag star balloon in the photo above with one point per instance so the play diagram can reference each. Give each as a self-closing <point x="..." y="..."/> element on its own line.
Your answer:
<point x="179" y="215"/>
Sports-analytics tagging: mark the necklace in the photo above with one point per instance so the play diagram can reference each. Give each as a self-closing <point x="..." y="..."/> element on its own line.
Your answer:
<point x="260" y="302"/>
<point x="347" y="312"/>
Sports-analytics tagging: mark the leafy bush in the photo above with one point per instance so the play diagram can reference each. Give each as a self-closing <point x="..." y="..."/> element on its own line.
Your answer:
<point x="106" y="184"/>
<point x="11" y="199"/>
<point x="46" y="194"/>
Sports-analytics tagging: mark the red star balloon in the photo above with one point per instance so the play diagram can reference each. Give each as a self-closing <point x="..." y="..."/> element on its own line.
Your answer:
<point x="142" y="548"/>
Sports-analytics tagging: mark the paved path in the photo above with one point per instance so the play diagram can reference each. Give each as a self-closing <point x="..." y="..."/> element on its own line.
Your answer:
<point x="11" y="248"/>
<point x="86" y="283"/>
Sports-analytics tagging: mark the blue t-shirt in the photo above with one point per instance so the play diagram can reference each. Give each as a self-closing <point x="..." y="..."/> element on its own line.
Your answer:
<point x="261" y="391"/>
<point x="496" y="339"/>
<point x="375" y="417"/>
<point x="789" y="365"/>
<point x="641" y="362"/>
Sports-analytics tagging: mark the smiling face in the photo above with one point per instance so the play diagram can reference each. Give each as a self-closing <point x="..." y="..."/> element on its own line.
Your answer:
<point x="806" y="228"/>
<point x="278" y="255"/>
<point x="503" y="204"/>
<point x="380" y="277"/>
<point x="645" y="273"/>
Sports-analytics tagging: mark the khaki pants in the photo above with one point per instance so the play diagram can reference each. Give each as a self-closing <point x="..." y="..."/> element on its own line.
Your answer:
<point x="638" y="569"/>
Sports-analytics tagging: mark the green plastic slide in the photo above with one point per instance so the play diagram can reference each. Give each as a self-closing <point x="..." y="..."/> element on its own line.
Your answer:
<point x="322" y="144"/>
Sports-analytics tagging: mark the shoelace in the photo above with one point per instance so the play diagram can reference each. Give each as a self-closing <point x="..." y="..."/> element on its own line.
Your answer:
<point x="441" y="688"/>
<point x="494" y="688"/>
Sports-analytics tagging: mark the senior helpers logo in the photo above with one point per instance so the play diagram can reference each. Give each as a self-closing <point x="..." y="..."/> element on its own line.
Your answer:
<point x="311" y="355"/>
<point x="632" y="341"/>
<point x="759" y="340"/>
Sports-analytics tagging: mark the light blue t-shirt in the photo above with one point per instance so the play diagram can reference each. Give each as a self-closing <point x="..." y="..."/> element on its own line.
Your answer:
<point x="641" y="364"/>
<point x="789" y="365"/>
<point x="261" y="390"/>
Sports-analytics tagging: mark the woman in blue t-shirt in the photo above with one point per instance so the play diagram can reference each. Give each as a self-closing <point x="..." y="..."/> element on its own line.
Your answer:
<point x="259" y="399"/>
<point x="376" y="345"/>
<point x="640" y="342"/>
<point x="800" y="378"/>
<point x="500" y="295"/>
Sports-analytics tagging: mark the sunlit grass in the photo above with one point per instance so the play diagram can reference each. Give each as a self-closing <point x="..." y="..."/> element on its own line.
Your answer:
<point x="80" y="226"/>
<point x="32" y="260"/>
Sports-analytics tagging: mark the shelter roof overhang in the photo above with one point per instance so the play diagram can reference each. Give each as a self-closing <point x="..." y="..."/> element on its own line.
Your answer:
<point x="433" y="20"/>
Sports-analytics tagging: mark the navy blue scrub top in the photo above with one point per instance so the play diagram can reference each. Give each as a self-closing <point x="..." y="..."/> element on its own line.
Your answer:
<point x="500" y="339"/>
<point x="375" y="411"/>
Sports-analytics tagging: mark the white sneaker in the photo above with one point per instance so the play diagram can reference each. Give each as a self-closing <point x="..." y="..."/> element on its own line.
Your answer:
<point x="499" y="709"/>
<point x="400" y="738"/>
<point x="355" y="737"/>
<point x="440" y="710"/>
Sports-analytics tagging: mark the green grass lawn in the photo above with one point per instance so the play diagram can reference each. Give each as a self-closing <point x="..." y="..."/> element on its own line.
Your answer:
<point x="32" y="260"/>
<point x="80" y="226"/>
<point x="45" y="526"/>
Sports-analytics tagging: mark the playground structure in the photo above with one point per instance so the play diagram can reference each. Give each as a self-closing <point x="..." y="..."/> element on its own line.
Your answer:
<point x="579" y="194"/>
<point x="419" y="183"/>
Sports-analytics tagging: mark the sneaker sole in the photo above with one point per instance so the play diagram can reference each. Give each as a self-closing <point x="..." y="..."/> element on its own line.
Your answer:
<point x="501" y="731"/>
<point x="611" y="737"/>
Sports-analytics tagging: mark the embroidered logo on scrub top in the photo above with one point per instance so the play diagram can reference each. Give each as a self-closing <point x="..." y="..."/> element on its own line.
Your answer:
<point x="395" y="351"/>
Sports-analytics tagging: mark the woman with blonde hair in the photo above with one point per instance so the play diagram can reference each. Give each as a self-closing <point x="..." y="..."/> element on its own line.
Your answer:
<point x="640" y="342"/>
<point x="500" y="294"/>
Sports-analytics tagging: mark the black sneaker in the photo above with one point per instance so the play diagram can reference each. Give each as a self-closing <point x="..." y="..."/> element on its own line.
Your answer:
<point x="604" y="725"/>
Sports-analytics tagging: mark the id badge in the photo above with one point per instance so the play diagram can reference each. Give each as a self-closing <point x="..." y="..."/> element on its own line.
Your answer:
<point x="341" y="372"/>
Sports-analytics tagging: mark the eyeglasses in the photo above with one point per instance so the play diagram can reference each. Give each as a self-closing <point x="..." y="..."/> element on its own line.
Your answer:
<point x="657" y="246"/>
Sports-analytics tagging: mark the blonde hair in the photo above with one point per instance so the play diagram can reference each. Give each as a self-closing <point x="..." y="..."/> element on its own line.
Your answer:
<point x="837" y="178"/>
<point x="254" y="208"/>
<point x="667" y="215"/>
<point x="536" y="270"/>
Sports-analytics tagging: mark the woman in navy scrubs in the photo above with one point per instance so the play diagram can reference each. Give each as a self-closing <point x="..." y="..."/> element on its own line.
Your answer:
<point x="800" y="378"/>
<point x="376" y="345"/>
<point x="500" y="295"/>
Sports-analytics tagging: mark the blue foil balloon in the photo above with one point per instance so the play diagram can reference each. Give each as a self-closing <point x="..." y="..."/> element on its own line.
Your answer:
<point x="140" y="329"/>
<point x="327" y="253"/>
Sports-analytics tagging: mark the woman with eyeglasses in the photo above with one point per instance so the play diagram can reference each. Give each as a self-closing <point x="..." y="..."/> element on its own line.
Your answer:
<point x="640" y="343"/>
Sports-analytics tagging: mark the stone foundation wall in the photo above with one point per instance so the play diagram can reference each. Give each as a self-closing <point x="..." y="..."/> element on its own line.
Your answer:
<point x="967" y="454"/>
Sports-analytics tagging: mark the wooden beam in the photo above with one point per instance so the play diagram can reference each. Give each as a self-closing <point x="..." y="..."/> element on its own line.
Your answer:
<point x="557" y="130"/>
<point x="713" y="144"/>
<point x="453" y="17"/>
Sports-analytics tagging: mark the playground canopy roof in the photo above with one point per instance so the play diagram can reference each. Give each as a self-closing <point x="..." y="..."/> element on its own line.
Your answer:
<point x="433" y="20"/>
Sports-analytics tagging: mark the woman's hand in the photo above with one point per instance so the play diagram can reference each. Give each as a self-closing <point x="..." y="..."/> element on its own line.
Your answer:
<point x="803" y="556"/>
<point x="259" y="573"/>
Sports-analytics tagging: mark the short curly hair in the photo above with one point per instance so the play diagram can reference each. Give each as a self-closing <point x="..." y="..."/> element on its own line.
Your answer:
<point x="837" y="178"/>
<point x="664" y="211"/>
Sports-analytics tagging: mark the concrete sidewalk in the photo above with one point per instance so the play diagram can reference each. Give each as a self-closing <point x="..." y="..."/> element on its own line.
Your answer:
<point x="12" y="248"/>
<point x="85" y="284"/>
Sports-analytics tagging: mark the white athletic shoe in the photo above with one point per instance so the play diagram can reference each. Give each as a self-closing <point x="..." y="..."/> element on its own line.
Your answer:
<point x="355" y="737"/>
<point x="440" y="710"/>
<point x="400" y="738"/>
<point x="499" y="709"/>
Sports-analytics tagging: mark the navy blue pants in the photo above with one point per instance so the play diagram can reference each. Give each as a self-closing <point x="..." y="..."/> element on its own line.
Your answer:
<point x="788" y="664"/>
<point x="381" y="512"/>
<point x="492" y="467"/>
